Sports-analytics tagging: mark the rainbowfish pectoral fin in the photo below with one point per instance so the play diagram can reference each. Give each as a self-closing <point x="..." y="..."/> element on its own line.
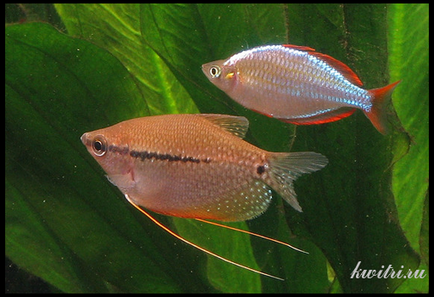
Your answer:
<point x="235" y="125"/>
<point x="285" y="168"/>
<point x="380" y="100"/>
<point x="322" y="118"/>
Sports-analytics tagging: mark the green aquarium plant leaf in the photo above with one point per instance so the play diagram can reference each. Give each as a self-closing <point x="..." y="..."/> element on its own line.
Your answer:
<point x="64" y="222"/>
<point x="116" y="28"/>
<point x="68" y="225"/>
<point x="363" y="156"/>
<point x="409" y="61"/>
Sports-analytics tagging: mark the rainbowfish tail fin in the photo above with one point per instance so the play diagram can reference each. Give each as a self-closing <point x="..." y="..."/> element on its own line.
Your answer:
<point x="380" y="100"/>
<point x="285" y="168"/>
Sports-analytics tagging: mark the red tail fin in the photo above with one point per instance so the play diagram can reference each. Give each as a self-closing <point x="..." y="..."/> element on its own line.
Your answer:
<point x="380" y="100"/>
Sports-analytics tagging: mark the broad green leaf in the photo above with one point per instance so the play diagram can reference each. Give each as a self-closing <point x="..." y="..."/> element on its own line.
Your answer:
<point x="366" y="215"/>
<point x="357" y="203"/>
<point x="409" y="56"/>
<point x="117" y="28"/>
<point x="186" y="36"/>
<point x="64" y="222"/>
<point x="77" y="20"/>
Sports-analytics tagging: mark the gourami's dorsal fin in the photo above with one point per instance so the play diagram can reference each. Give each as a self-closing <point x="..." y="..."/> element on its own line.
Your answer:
<point x="338" y="65"/>
<point x="235" y="125"/>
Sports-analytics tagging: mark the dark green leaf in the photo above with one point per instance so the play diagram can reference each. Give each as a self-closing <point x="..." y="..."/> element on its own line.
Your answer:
<point x="65" y="223"/>
<point x="409" y="60"/>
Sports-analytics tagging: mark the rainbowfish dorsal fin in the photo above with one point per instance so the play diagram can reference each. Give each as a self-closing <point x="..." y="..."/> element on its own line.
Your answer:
<point x="338" y="65"/>
<point x="299" y="47"/>
<point x="235" y="125"/>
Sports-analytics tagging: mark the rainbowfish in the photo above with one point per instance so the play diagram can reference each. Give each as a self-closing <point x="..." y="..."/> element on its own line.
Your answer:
<point x="298" y="85"/>
<point x="197" y="166"/>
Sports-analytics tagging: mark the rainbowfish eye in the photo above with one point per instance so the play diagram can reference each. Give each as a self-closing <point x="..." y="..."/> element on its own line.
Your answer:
<point x="215" y="71"/>
<point x="99" y="146"/>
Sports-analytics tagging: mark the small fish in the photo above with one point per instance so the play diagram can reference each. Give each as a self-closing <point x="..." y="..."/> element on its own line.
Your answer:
<point x="196" y="166"/>
<point x="298" y="85"/>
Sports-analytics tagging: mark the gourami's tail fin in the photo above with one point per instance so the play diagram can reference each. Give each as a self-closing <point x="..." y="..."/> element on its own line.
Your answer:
<point x="285" y="168"/>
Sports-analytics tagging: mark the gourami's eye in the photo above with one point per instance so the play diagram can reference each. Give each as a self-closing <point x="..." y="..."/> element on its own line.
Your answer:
<point x="215" y="71"/>
<point x="99" y="145"/>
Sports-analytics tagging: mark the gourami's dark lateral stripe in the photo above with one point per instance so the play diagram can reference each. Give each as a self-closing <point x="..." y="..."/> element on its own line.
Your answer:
<point x="144" y="155"/>
<point x="162" y="157"/>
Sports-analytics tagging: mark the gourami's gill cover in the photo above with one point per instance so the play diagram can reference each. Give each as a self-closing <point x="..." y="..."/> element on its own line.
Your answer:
<point x="197" y="166"/>
<point x="298" y="85"/>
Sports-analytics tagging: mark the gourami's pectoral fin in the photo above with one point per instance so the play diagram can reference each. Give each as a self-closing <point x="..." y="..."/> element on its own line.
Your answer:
<point x="236" y="125"/>
<point x="123" y="181"/>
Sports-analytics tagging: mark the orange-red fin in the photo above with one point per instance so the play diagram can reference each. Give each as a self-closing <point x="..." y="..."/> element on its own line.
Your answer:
<point x="338" y="65"/>
<point x="260" y="112"/>
<point x="323" y="118"/>
<point x="380" y="100"/>
<point x="299" y="47"/>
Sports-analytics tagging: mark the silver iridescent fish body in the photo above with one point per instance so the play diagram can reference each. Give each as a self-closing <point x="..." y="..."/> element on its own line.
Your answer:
<point x="298" y="85"/>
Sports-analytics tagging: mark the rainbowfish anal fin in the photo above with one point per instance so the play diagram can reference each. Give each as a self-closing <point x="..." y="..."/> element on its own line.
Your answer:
<point x="322" y="118"/>
<point x="338" y="65"/>
<point x="197" y="246"/>
<point x="235" y="125"/>
<point x="285" y="168"/>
